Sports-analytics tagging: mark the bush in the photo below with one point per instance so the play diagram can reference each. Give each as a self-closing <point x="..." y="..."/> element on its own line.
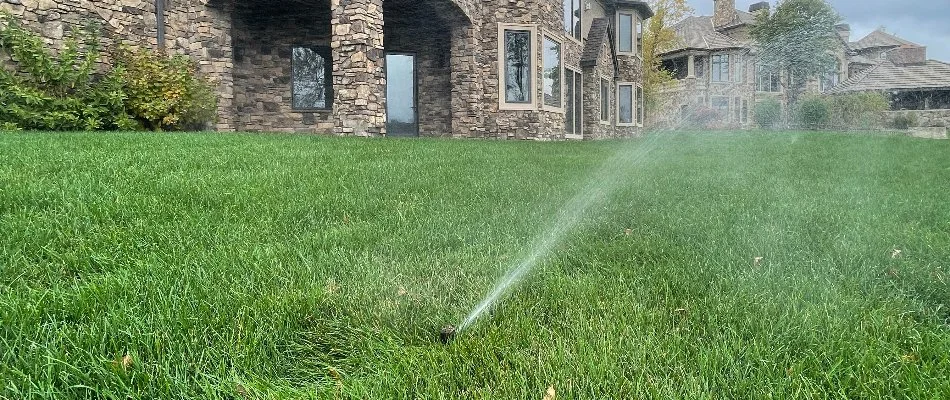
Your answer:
<point x="768" y="113"/>
<point x="699" y="117"/>
<point x="904" y="121"/>
<point x="859" y="110"/>
<point x="812" y="113"/>
<point x="165" y="92"/>
<point x="40" y="90"/>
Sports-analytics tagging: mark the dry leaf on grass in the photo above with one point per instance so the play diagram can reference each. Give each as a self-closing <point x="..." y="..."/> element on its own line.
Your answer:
<point x="628" y="232"/>
<point x="757" y="261"/>
<point x="402" y="291"/>
<point x="126" y="362"/>
<point x="332" y="286"/>
<point x="896" y="253"/>
<point x="549" y="394"/>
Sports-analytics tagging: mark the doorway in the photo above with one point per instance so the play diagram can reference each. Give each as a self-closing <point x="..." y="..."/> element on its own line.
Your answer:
<point x="402" y="118"/>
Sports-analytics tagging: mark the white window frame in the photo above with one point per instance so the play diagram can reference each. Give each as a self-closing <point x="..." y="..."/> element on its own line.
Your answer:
<point x="633" y="103"/>
<point x="545" y="34"/>
<point x="532" y="72"/>
<point x="634" y="50"/>
<point x="578" y="112"/>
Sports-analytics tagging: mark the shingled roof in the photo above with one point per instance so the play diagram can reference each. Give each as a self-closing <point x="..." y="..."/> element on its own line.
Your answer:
<point x="879" y="38"/>
<point x="889" y="76"/>
<point x="599" y="34"/>
<point x="698" y="33"/>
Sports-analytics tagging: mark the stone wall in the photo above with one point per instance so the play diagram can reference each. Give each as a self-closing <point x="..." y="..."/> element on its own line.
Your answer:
<point x="594" y="126"/>
<point x="925" y="118"/>
<point x="263" y="98"/>
<point x="192" y="28"/>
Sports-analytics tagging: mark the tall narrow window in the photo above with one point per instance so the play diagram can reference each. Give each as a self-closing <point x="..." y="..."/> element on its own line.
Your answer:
<point x="640" y="105"/>
<point x="738" y="69"/>
<point x="639" y="32"/>
<point x="720" y="68"/>
<point x="572" y="18"/>
<point x="831" y="79"/>
<point x="604" y="100"/>
<point x="552" y="73"/>
<point x="573" y="121"/>
<point x="160" y="22"/>
<point x="625" y="39"/>
<point x="625" y="114"/>
<point x="745" y="111"/>
<point x="312" y="80"/>
<point x="738" y="107"/>
<point x="516" y="65"/>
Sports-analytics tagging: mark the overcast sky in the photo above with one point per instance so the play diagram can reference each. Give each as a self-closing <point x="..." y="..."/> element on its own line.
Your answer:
<point x="925" y="22"/>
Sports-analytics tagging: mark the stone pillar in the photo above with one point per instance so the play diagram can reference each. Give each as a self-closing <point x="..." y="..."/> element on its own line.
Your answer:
<point x="359" y="80"/>
<point x="467" y="88"/>
<point x="691" y="67"/>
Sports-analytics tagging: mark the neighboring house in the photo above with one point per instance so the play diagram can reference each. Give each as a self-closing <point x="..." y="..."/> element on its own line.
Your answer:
<point x="545" y="69"/>
<point x="714" y="65"/>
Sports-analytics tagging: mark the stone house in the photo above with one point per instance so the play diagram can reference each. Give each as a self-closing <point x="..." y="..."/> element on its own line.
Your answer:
<point x="539" y="69"/>
<point x="715" y="67"/>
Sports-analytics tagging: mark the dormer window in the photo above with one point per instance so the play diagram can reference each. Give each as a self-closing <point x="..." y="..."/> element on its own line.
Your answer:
<point x="572" y="18"/>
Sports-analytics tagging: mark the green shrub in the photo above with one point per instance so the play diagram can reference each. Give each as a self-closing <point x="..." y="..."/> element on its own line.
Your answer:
<point x="904" y="121"/>
<point x="812" y="113"/>
<point x="858" y="110"/>
<point x="768" y="113"/>
<point x="40" y="90"/>
<point x="165" y="92"/>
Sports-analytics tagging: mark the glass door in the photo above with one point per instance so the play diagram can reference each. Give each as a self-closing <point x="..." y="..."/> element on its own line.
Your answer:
<point x="402" y="119"/>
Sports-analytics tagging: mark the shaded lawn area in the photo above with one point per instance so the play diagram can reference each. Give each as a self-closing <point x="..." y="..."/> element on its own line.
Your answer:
<point x="232" y="266"/>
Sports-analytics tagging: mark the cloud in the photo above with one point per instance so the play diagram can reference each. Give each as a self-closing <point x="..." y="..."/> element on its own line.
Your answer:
<point x="922" y="22"/>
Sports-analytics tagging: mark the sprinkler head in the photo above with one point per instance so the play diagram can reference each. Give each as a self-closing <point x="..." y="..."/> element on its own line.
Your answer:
<point x="447" y="334"/>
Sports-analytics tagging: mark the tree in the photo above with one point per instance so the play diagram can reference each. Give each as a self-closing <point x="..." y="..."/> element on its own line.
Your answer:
<point x="658" y="37"/>
<point x="797" y="41"/>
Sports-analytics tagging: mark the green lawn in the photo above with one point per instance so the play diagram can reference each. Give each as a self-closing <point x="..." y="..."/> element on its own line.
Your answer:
<point x="275" y="266"/>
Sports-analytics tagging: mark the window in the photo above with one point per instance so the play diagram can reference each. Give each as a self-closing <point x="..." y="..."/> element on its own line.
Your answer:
<point x="625" y="32"/>
<point x="551" y="58"/>
<point x="739" y="69"/>
<point x="720" y="68"/>
<point x="766" y="80"/>
<point x="738" y="102"/>
<point x="830" y="80"/>
<point x="312" y="83"/>
<point x="640" y="105"/>
<point x="639" y="36"/>
<point x="572" y="18"/>
<point x="744" y="118"/>
<point x="721" y="105"/>
<point x="159" y="23"/>
<point x="625" y="93"/>
<point x="516" y="66"/>
<point x="573" y="121"/>
<point x="604" y="100"/>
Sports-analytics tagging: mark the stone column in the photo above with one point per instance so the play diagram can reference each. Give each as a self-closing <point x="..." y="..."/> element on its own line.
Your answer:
<point x="467" y="88"/>
<point x="691" y="67"/>
<point x="359" y="80"/>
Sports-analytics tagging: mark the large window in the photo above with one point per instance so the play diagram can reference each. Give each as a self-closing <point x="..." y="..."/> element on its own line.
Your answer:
<point x="516" y="64"/>
<point x="721" y="105"/>
<point x="738" y="69"/>
<point x="552" y="73"/>
<point x="766" y="80"/>
<point x="625" y="106"/>
<point x="639" y="105"/>
<point x="720" y="68"/>
<point x="625" y="32"/>
<point x="573" y="122"/>
<point x="572" y="18"/>
<point x="312" y="83"/>
<point x="830" y="80"/>
<point x="604" y="100"/>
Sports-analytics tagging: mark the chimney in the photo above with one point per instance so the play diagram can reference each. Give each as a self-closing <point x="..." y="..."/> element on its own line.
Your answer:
<point x="760" y="6"/>
<point x="725" y="13"/>
<point x="844" y="30"/>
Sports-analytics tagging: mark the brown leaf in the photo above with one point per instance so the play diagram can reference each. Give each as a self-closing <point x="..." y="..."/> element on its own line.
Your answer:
<point x="628" y="231"/>
<point x="402" y="291"/>
<point x="126" y="362"/>
<point x="549" y="394"/>
<point x="757" y="261"/>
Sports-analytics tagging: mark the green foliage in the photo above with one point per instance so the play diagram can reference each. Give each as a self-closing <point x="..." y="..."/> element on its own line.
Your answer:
<point x="812" y="113"/>
<point x="165" y="92"/>
<point x="799" y="40"/>
<point x="904" y="121"/>
<point x="768" y="113"/>
<point x="40" y="90"/>
<point x="858" y="110"/>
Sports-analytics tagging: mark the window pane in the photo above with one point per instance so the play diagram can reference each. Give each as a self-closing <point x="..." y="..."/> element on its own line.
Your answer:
<point x="552" y="72"/>
<point x="639" y="105"/>
<point x="604" y="100"/>
<point x="311" y="85"/>
<point x="625" y="31"/>
<point x="625" y="104"/>
<point x="577" y="19"/>
<point x="569" y="114"/>
<point x="720" y="68"/>
<point x="568" y="20"/>
<point x="578" y="103"/>
<point x="518" y="66"/>
<point x="721" y="105"/>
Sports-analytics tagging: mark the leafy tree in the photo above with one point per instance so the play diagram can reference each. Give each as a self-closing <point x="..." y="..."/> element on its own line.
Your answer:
<point x="658" y="37"/>
<point x="798" y="40"/>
